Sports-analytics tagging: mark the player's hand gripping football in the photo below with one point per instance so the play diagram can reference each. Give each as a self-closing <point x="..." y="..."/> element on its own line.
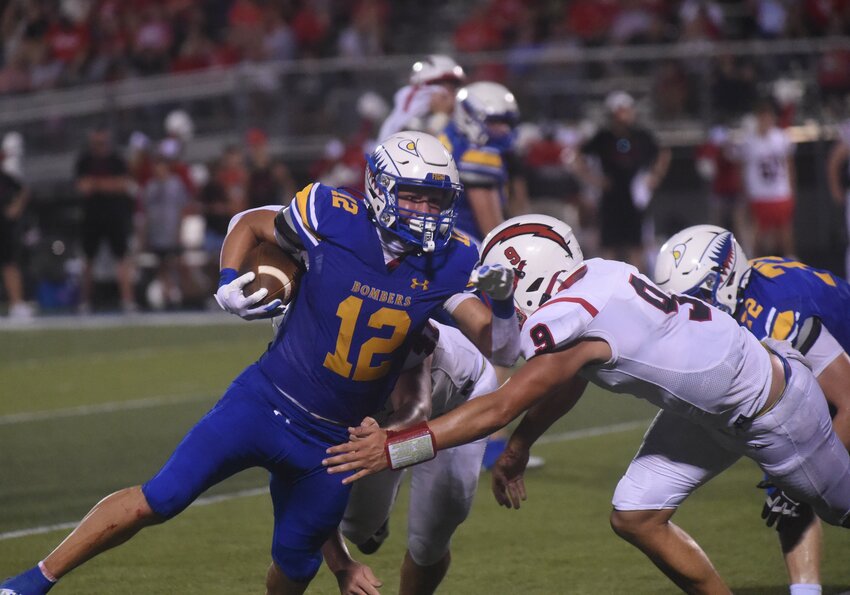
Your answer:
<point x="495" y="280"/>
<point x="231" y="299"/>
<point x="363" y="453"/>
<point x="508" y="484"/>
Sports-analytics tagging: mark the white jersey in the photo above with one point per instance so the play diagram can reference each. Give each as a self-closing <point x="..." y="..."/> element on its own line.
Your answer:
<point x="674" y="351"/>
<point x="411" y="106"/>
<point x="456" y="369"/>
<point x="765" y="160"/>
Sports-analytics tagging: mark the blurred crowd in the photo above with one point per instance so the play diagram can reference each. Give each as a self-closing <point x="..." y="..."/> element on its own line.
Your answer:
<point x="54" y="43"/>
<point x="151" y="224"/>
<point x="57" y="43"/>
<point x="143" y="224"/>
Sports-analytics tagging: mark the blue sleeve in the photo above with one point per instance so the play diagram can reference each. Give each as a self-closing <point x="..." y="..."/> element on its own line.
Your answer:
<point x="319" y="212"/>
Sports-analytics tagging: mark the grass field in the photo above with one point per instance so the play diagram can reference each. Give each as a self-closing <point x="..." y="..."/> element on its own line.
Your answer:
<point x="86" y="412"/>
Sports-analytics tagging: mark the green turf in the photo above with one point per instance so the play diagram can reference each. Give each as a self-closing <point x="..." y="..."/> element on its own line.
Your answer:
<point x="54" y="469"/>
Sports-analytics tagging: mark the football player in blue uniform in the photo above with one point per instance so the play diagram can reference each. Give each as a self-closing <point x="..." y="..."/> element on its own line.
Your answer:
<point x="481" y="130"/>
<point x="782" y="299"/>
<point x="378" y="266"/>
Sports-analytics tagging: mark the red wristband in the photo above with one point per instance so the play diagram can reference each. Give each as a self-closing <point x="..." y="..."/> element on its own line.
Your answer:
<point x="410" y="446"/>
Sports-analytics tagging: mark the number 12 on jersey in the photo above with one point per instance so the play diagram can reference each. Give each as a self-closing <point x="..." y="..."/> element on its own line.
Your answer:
<point x="349" y="312"/>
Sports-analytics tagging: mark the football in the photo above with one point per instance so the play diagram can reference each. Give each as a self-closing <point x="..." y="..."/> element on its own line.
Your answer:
<point x="274" y="270"/>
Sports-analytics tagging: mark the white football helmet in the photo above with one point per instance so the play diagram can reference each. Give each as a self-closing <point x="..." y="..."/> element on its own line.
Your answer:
<point x="483" y="103"/>
<point x="436" y="68"/>
<point x="703" y="261"/>
<point x="410" y="160"/>
<point x="542" y="250"/>
<point x="179" y="124"/>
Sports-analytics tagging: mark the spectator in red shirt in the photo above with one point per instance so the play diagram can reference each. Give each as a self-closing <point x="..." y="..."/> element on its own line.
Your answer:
<point x="68" y="41"/>
<point x="152" y="42"/>
<point x="727" y="207"/>
<point x="479" y="33"/>
<point x="269" y="180"/>
<point x="590" y="20"/>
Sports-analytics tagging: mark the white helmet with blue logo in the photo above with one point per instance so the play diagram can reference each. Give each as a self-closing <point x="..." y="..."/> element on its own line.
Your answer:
<point x="482" y="103"/>
<point x="703" y="261"/>
<point x="413" y="161"/>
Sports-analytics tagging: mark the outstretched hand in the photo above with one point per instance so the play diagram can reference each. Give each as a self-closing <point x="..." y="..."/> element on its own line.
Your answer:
<point x="363" y="453"/>
<point x="357" y="579"/>
<point x="508" y="484"/>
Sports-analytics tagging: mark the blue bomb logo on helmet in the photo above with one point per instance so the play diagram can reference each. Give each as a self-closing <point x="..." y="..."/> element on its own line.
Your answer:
<point x="703" y="261"/>
<point x="479" y="109"/>
<point x="418" y="163"/>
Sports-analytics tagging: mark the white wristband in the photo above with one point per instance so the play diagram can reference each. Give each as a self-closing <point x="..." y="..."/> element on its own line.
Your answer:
<point x="410" y="446"/>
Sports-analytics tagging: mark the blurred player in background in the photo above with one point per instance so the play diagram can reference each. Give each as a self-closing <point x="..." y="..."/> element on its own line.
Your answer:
<point x="13" y="202"/>
<point x="441" y="490"/>
<point x="633" y="165"/>
<point x="103" y="180"/>
<point x="165" y="202"/>
<point x="269" y="180"/>
<point x="838" y="176"/>
<point x="481" y="137"/>
<point x="766" y="155"/>
<point x="780" y="299"/>
<point x="378" y="267"/>
<point x="722" y="395"/>
<point x="481" y="130"/>
<point x="428" y="101"/>
<point x="726" y="201"/>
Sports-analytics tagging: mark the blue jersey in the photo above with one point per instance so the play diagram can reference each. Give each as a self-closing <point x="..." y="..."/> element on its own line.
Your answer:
<point x="782" y="294"/>
<point x="351" y="324"/>
<point x="478" y="166"/>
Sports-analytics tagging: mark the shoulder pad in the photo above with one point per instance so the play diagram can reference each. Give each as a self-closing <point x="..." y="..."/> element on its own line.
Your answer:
<point x="558" y="323"/>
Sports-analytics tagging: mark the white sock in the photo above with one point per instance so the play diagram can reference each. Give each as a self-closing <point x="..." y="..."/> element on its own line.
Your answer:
<point x="46" y="574"/>
<point x="805" y="589"/>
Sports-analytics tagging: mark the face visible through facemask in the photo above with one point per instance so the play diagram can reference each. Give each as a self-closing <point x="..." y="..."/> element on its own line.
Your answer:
<point x="414" y="200"/>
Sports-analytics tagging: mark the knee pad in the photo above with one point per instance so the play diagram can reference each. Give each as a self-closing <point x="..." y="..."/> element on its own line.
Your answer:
<point x="427" y="553"/>
<point x="298" y="565"/>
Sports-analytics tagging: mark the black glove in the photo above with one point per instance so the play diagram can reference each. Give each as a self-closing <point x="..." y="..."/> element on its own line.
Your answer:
<point x="781" y="509"/>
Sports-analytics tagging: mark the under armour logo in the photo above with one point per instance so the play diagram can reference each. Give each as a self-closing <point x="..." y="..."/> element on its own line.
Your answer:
<point x="416" y="283"/>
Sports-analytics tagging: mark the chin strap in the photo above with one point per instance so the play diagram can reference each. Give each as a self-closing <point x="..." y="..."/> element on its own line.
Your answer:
<point x="410" y="446"/>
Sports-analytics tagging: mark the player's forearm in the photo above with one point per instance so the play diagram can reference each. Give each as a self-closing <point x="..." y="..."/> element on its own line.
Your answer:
<point x="336" y="553"/>
<point x="519" y="203"/>
<point x="411" y="397"/>
<point x="474" y="419"/>
<point x="474" y="319"/>
<point x="484" y="415"/>
<point x="834" y="382"/>
<point x="660" y="167"/>
<point x="115" y="183"/>
<point x="485" y="208"/>
<point x="544" y="413"/>
<point x="251" y="229"/>
<point x="833" y="172"/>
